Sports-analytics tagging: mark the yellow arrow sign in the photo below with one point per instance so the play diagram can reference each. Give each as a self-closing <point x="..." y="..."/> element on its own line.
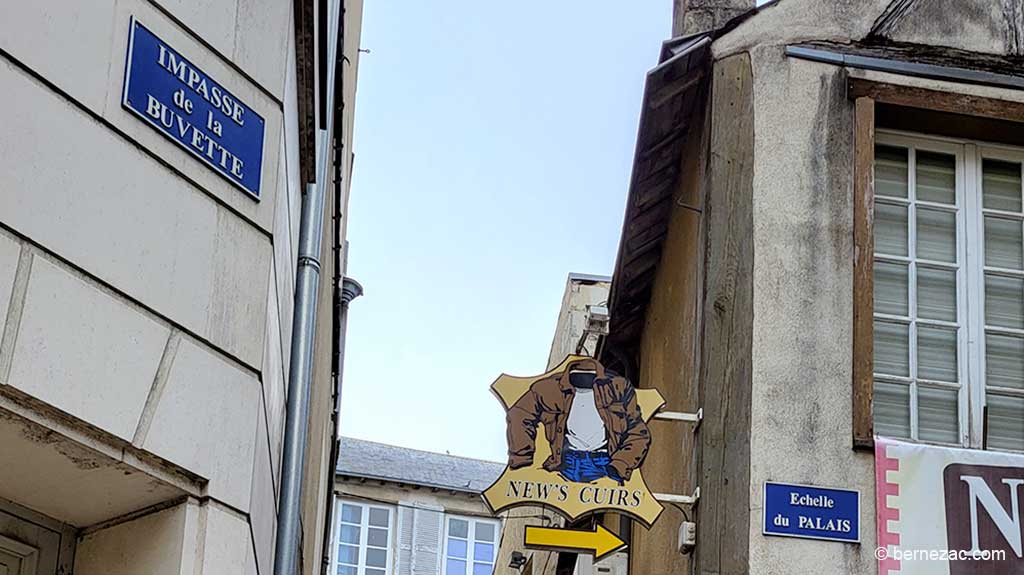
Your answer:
<point x="598" y="543"/>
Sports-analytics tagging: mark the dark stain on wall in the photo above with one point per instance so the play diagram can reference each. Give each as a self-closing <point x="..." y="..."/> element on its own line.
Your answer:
<point x="821" y="252"/>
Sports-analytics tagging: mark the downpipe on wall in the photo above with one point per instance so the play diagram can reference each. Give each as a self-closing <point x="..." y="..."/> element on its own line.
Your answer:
<point x="300" y="376"/>
<point x="300" y="371"/>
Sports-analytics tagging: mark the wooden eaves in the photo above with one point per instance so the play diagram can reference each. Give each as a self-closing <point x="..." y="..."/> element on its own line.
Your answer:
<point x="306" y="83"/>
<point x="673" y="92"/>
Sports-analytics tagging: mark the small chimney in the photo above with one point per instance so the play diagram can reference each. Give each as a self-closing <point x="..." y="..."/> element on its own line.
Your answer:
<point x="695" y="16"/>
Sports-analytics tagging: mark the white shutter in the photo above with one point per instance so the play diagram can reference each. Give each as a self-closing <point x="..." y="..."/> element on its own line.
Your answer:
<point x="404" y="538"/>
<point x="427" y="541"/>
<point x="420" y="539"/>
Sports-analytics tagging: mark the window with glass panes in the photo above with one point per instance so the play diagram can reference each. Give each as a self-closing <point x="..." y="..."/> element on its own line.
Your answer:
<point x="363" y="539"/>
<point x="470" y="546"/>
<point x="948" y="292"/>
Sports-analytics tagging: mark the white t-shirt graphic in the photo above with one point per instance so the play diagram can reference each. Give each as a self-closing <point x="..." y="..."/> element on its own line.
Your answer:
<point x="585" y="430"/>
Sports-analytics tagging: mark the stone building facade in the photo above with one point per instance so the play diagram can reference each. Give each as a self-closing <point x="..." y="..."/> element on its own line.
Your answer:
<point x="146" y="299"/>
<point x="401" y="511"/>
<point x="815" y="255"/>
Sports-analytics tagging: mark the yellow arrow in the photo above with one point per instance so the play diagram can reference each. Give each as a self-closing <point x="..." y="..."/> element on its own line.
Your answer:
<point x="598" y="543"/>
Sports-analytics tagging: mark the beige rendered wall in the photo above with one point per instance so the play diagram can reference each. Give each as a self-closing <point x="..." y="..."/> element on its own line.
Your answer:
<point x="145" y="302"/>
<point x="802" y="212"/>
<point x="801" y="417"/>
<point x="803" y="299"/>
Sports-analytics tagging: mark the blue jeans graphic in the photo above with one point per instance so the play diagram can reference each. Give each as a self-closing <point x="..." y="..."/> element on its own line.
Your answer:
<point x="584" y="466"/>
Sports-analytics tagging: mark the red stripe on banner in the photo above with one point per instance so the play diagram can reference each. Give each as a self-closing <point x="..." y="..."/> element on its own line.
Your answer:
<point x="884" y="513"/>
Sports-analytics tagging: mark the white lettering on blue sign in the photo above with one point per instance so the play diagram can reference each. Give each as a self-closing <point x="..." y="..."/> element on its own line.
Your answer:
<point x="811" y="512"/>
<point x="171" y="94"/>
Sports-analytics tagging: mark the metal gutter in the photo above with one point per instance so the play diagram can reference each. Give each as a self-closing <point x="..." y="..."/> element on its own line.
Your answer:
<point x="400" y="481"/>
<point x="573" y="276"/>
<point x="903" y="67"/>
<point x="344" y="289"/>
<point x="683" y="51"/>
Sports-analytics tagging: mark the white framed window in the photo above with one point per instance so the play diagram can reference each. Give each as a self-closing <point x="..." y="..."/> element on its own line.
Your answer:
<point x="363" y="538"/>
<point x="470" y="545"/>
<point x="949" y="291"/>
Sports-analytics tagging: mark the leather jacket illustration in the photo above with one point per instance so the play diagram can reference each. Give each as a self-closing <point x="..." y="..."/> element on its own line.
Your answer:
<point x="549" y="402"/>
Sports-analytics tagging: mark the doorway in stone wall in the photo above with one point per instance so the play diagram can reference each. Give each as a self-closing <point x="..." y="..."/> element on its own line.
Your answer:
<point x="33" y="544"/>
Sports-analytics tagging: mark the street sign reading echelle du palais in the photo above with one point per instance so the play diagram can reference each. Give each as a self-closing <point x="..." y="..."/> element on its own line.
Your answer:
<point x="577" y="436"/>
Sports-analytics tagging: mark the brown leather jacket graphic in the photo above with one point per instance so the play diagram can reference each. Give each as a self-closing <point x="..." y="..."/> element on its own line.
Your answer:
<point x="548" y="402"/>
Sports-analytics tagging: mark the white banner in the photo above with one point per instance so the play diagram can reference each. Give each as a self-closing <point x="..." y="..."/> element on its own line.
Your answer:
<point x="946" y="511"/>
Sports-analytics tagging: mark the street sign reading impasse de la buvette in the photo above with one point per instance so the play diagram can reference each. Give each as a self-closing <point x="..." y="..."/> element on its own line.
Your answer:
<point x="185" y="104"/>
<point x="577" y="437"/>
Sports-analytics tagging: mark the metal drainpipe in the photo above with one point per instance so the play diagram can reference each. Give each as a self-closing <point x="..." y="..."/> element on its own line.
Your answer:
<point x="287" y="542"/>
<point x="300" y="372"/>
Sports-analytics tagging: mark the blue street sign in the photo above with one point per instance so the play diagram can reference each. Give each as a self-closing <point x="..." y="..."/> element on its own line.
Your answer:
<point x="185" y="104"/>
<point x="812" y="512"/>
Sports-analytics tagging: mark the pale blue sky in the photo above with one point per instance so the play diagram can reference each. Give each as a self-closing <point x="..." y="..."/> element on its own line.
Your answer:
<point x="493" y="147"/>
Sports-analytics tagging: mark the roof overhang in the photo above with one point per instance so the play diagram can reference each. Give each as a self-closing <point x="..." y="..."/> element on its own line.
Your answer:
<point x="673" y="92"/>
<point x="399" y="482"/>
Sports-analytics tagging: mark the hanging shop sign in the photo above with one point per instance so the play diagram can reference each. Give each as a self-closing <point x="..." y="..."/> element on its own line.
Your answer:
<point x="948" y="511"/>
<point x="174" y="96"/>
<point x="577" y="438"/>
<point x="811" y="512"/>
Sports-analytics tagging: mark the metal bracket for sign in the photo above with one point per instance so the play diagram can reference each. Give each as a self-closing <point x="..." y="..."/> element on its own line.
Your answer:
<point x="694" y="418"/>
<point x="679" y="499"/>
